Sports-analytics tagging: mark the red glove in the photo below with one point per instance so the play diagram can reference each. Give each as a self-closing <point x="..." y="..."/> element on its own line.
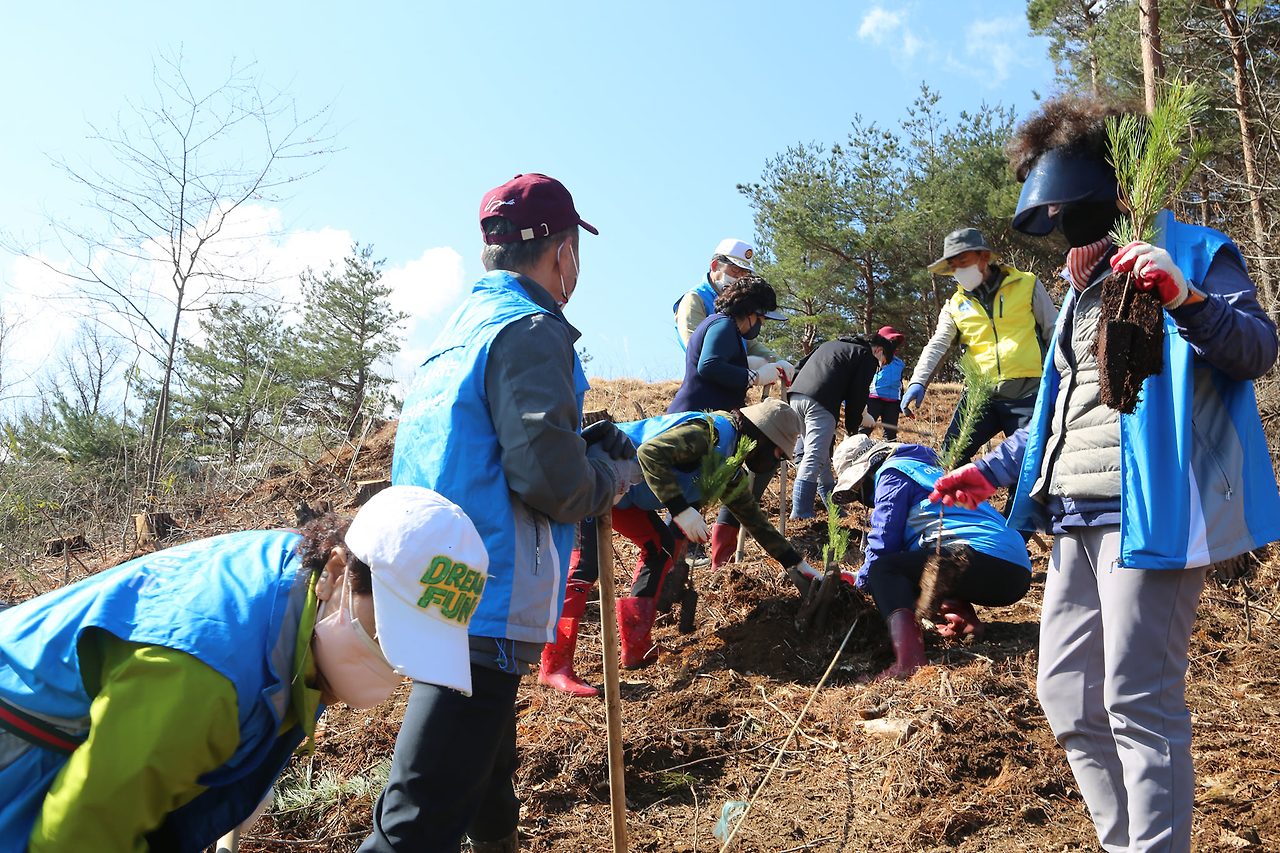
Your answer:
<point x="1153" y="269"/>
<point x="965" y="486"/>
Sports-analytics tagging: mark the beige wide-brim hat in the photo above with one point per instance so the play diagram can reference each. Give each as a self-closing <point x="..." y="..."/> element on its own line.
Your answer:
<point x="778" y="421"/>
<point x="853" y="460"/>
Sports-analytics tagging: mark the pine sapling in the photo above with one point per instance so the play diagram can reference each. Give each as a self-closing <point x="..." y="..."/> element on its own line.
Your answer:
<point x="716" y="479"/>
<point x="978" y="388"/>
<point x="1154" y="158"/>
<point x="837" y="536"/>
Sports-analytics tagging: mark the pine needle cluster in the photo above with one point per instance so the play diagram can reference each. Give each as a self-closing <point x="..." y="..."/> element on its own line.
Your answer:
<point x="978" y="388"/>
<point x="715" y="480"/>
<point x="1154" y="158"/>
<point x="837" y="536"/>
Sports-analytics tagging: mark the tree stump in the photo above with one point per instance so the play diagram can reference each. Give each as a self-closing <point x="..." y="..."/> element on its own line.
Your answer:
<point x="151" y="527"/>
<point x="60" y="545"/>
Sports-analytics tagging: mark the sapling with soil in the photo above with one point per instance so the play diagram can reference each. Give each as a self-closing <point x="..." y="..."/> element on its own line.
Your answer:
<point x="1153" y="167"/>
<point x="941" y="569"/>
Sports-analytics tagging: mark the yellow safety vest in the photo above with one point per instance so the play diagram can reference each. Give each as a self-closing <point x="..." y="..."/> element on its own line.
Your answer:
<point x="1006" y="345"/>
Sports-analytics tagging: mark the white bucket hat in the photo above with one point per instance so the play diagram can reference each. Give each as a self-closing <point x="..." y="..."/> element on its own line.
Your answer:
<point x="429" y="568"/>
<point x="853" y="460"/>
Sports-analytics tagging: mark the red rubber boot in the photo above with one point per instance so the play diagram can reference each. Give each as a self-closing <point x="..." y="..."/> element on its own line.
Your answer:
<point x="635" y="627"/>
<point x="724" y="541"/>
<point x="959" y="619"/>
<point x="908" y="645"/>
<point x="557" y="658"/>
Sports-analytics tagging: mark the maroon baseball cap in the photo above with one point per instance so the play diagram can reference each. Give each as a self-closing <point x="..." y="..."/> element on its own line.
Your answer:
<point x="538" y="206"/>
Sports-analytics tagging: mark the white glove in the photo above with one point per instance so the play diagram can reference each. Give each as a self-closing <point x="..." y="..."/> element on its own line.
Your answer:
<point x="628" y="473"/>
<point x="766" y="375"/>
<point x="788" y="370"/>
<point x="807" y="570"/>
<point x="868" y="422"/>
<point x="692" y="524"/>
<point x="755" y="362"/>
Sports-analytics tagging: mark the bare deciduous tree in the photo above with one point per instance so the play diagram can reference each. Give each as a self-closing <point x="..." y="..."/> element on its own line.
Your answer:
<point x="169" y="203"/>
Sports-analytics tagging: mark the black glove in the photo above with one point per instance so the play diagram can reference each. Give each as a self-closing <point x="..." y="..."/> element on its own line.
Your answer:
<point x="611" y="440"/>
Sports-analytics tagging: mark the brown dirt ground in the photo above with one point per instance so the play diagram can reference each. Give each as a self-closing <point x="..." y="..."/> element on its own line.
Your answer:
<point x="958" y="758"/>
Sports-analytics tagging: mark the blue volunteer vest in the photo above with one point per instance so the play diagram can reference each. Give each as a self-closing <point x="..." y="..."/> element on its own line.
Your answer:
<point x="982" y="529"/>
<point x="233" y="602"/>
<point x="1197" y="485"/>
<point x="640" y="496"/>
<point x="707" y="294"/>
<point x="446" y="441"/>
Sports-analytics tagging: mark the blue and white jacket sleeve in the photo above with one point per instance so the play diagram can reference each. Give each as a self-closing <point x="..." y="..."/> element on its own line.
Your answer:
<point x="1229" y="329"/>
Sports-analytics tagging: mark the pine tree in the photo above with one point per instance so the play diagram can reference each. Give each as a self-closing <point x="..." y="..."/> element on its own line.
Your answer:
<point x="348" y="328"/>
<point x="236" y="376"/>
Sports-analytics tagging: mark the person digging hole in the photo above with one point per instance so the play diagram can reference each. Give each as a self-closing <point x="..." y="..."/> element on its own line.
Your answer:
<point x="671" y="450"/>
<point x="906" y="569"/>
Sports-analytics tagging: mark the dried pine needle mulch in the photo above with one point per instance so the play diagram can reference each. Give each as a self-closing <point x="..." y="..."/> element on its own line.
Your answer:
<point x="958" y="758"/>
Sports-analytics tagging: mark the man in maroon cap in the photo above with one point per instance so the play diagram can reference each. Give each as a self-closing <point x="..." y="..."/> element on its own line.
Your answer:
<point x="491" y="422"/>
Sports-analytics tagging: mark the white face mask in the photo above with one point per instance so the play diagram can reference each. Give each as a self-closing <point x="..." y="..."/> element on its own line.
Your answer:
<point x="351" y="661"/>
<point x="968" y="277"/>
<point x="726" y="280"/>
<point x="564" y="294"/>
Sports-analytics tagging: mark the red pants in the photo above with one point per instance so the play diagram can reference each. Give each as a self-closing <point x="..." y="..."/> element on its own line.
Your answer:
<point x="649" y="533"/>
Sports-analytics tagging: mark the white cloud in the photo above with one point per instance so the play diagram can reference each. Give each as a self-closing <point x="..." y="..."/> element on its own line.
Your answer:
<point x="910" y="44"/>
<point x="879" y="23"/>
<point x="993" y="48"/>
<point x="45" y="307"/>
<point x="429" y="287"/>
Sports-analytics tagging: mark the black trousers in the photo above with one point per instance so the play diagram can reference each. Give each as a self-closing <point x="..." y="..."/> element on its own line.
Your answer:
<point x="894" y="580"/>
<point x="1006" y="416"/>
<point x="886" y="412"/>
<point x="451" y="774"/>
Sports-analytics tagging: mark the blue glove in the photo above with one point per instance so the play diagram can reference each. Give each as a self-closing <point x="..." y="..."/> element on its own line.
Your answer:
<point x="913" y="397"/>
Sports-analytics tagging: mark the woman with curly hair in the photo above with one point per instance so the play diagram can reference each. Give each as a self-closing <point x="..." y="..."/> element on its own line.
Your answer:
<point x="1141" y="503"/>
<point x="152" y="705"/>
<point x="717" y="375"/>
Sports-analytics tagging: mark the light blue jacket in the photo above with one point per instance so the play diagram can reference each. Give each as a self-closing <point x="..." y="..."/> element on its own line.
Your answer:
<point x="887" y="383"/>
<point x="233" y="602"/>
<point x="446" y="441"/>
<point x="1197" y="485"/>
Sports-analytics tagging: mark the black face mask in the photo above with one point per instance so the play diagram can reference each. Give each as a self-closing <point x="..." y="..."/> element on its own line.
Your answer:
<point x="754" y="331"/>
<point x="1086" y="222"/>
<point x="760" y="459"/>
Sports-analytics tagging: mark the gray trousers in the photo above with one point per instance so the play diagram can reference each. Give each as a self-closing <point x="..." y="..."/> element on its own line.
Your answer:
<point x="1112" y="681"/>
<point x="813" y="463"/>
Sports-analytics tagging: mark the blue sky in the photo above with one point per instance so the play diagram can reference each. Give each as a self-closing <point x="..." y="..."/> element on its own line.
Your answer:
<point x="649" y="114"/>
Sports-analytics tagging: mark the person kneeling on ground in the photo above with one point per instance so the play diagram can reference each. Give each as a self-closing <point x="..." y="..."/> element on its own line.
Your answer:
<point x="152" y="705"/>
<point x="894" y="481"/>
<point x="671" y="449"/>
